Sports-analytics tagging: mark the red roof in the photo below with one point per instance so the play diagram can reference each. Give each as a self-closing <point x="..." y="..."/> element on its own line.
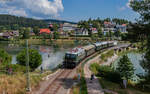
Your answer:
<point x="94" y="29"/>
<point x="124" y="25"/>
<point x="45" y="31"/>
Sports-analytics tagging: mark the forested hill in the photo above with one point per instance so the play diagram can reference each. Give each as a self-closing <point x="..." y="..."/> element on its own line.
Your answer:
<point x="58" y="21"/>
<point x="14" y="22"/>
<point x="9" y="21"/>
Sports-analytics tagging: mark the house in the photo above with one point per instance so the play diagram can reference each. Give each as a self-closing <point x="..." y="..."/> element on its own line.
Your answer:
<point x="1" y="34"/>
<point x="122" y="28"/>
<point x="7" y="35"/>
<point x="109" y="26"/>
<point x="94" y="30"/>
<point x="113" y="27"/>
<point x="81" y="31"/>
<point x="69" y="27"/>
<point x="15" y="33"/>
<point x="45" y="30"/>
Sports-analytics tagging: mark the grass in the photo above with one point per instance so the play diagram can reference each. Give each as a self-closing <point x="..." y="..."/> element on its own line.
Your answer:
<point x="81" y="87"/>
<point x="76" y="90"/>
<point x="116" y="87"/>
<point x="106" y="55"/>
<point x="16" y="83"/>
<point x="94" y="68"/>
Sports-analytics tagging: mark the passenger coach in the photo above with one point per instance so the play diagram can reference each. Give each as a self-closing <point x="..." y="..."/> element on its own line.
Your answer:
<point x="76" y="55"/>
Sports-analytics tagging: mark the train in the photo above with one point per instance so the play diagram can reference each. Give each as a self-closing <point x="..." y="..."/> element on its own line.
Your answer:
<point x="76" y="55"/>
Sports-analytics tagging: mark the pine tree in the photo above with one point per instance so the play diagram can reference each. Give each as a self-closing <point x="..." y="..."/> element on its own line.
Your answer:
<point x="125" y="67"/>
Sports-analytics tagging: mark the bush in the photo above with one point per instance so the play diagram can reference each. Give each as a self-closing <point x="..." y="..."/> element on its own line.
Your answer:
<point x="106" y="72"/>
<point x="109" y="74"/>
<point x="35" y="59"/>
<point x="103" y="57"/>
<point x="94" y="67"/>
<point x="17" y="68"/>
<point x="107" y="55"/>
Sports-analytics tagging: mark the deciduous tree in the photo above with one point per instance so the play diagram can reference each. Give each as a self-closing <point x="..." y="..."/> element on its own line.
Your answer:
<point x="35" y="59"/>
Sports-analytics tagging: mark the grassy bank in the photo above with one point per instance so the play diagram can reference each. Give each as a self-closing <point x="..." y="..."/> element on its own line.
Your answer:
<point x="108" y="54"/>
<point x="106" y="84"/>
<point x="16" y="83"/>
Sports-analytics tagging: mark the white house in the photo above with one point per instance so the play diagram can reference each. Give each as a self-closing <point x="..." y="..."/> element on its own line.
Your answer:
<point x="69" y="27"/>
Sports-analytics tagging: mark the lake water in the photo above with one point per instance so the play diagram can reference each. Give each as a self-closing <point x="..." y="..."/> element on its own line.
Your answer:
<point x="52" y="56"/>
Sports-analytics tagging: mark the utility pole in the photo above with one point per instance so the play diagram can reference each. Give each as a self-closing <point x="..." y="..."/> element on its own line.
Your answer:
<point x="27" y="68"/>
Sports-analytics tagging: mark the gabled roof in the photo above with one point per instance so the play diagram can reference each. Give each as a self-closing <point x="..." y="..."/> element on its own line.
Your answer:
<point x="124" y="24"/>
<point x="45" y="31"/>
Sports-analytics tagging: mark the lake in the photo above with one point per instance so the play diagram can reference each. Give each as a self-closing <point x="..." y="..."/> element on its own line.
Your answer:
<point x="52" y="56"/>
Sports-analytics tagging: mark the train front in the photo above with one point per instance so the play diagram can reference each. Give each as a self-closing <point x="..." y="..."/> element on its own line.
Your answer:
<point x="70" y="60"/>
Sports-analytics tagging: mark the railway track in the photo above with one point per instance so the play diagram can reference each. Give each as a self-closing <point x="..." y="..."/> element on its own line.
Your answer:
<point x="55" y="85"/>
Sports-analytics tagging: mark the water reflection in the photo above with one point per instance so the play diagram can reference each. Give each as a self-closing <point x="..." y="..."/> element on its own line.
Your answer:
<point x="51" y="55"/>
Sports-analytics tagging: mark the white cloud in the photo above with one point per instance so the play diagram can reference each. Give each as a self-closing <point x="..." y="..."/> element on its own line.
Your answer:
<point x="34" y="8"/>
<point x="20" y="12"/>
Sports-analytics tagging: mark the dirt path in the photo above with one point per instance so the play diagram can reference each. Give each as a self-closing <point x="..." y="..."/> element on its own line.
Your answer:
<point x="94" y="87"/>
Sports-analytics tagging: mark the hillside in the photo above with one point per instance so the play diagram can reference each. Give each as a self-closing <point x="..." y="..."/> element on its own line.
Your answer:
<point x="11" y="22"/>
<point x="14" y="22"/>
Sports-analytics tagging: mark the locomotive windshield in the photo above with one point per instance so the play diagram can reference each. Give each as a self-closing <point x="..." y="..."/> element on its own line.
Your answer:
<point x="70" y="56"/>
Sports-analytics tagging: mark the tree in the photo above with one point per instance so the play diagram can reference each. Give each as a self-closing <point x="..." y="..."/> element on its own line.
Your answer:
<point x="100" y="33"/>
<point x="125" y="67"/>
<point x="14" y="22"/>
<point x="140" y="30"/>
<point x="143" y="8"/>
<point x="26" y="33"/>
<point x="110" y="34"/>
<point x="55" y="27"/>
<point x="117" y="33"/>
<point x="124" y="36"/>
<point x="146" y="61"/>
<point x="35" y="59"/>
<point x="50" y="37"/>
<point x="15" y="27"/>
<point x="107" y="19"/>
<point x="36" y="30"/>
<point x="5" y="58"/>
<point x="107" y="34"/>
<point x="56" y="35"/>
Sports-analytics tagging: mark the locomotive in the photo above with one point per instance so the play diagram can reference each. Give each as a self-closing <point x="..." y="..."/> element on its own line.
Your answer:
<point x="77" y="54"/>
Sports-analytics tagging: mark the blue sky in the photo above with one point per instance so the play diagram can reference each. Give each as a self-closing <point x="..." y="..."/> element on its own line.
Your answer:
<point x="84" y="9"/>
<point x="72" y="10"/>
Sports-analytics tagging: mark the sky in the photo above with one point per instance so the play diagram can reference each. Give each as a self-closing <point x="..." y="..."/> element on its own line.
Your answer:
<point x="71" y="10"/>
